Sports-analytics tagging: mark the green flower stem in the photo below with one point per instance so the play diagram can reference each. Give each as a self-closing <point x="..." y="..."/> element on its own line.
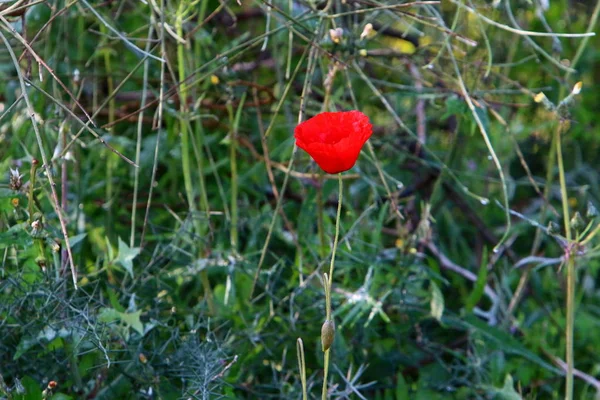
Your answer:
<point x="330" y="281"/>
<point x="571" y="277"/>
<point x="325" y="371"/>
<point x="570" y="266"/>
<point x="233" y="145"/>
<point x="185" y="144"/>
<point x="110" y="156"/>
<point x="30" y="199"/>
<point x="234" y="190"/>
<point x="200" y="135"/>
<point x="71" y="350"/>
<point x="320" y="228"/>
<point x="302" y="367"/>
<point x="57" y="265"/>
<point x="185" y="137"/>
<point x="41" y="258"/>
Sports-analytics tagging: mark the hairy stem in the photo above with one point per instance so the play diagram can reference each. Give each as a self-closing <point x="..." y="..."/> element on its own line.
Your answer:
<point x="330" y="281"/>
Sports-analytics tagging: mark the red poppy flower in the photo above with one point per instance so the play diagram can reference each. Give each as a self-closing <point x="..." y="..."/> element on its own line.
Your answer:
<point x="334" y="139"/>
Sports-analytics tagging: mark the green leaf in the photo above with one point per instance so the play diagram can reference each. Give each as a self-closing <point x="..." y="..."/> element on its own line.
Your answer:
<point x="454" y="106"/>
<point x="437" y="301"/>
<point x="379" y="222"/>
<point x="427" y="394"/>
<point x="108" y="315"/>
<point x="32" y="390"/>
<point x="133" y="321"/>
<point x="16" y="235"/>
<point x="482" y="113"/>
<point x="499" y="338"/>
<point x="119" y="388"/>
<point x="401" y="388"/>
<point x="507" y="392"/>
<point x="130" y="320"/>
<point x="24" y="344"/>
<point x="126" y="256"/>
<point x="479" y="288"/>
<point x="44" y="337"/>
<point x="73" y="240"/>
<point x="114" y="300"/>
<point x="61" y="396"/>
<point x="7" y="193"/>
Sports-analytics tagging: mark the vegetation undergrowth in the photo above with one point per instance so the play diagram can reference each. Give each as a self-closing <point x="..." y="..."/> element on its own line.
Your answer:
<point x="162" y="236"/>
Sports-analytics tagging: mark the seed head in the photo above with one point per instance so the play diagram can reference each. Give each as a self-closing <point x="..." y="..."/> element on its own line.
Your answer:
<point x="15" y="179"/>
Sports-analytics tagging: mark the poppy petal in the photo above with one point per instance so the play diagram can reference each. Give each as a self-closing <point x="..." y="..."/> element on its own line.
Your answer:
<point x="334" y="139"/>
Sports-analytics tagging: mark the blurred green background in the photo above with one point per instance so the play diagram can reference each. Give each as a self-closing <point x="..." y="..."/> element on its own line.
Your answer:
<point x="163" y="132"/>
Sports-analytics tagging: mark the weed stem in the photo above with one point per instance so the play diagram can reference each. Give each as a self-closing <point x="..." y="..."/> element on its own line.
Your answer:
<point x="570" y="266"/>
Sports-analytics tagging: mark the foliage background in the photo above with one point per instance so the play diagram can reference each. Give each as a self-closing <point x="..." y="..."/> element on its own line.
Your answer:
<point x="198" y="269"/>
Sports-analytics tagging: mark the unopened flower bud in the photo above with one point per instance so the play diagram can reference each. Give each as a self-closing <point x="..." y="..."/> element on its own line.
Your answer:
<point x="37" y="225"/>
<point x="76" y="76"/>
<point x="540" y="97"/>
<point x="327" y="334"/>
<point x="41" y="262"/>
<point x="46" y="393"/>
<point x="366" y="31"/>
<point x="577" y="221"/>
<point x="336" y="35"/>
<point x="553" y="228"/>
<point x="592" y="212"/>
<point x="55" y="247"/>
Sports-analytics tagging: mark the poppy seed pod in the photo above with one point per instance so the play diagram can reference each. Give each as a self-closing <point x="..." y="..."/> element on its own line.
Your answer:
<point x="327" y="334"/>
<point x="334" y="139"/>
